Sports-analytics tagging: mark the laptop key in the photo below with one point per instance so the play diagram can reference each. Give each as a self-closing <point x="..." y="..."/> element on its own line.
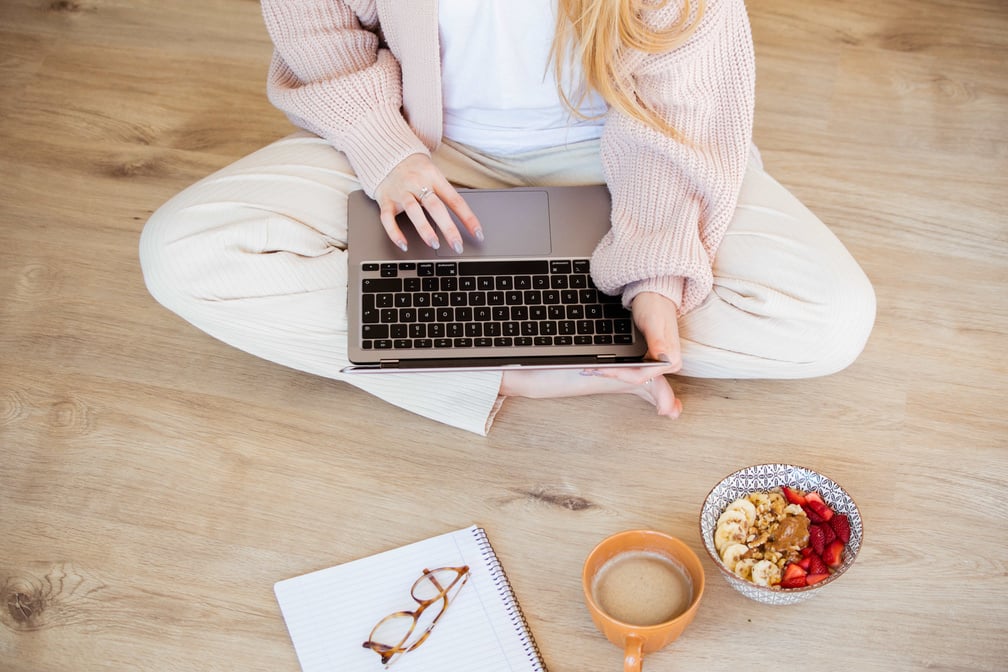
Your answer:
<point x="375" y="331"/>
<point x="381" y="285"/>
<point x="509" y="267"/>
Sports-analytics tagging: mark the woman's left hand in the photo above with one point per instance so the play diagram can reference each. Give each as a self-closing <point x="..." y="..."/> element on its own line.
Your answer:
<point x="657" y="319"/>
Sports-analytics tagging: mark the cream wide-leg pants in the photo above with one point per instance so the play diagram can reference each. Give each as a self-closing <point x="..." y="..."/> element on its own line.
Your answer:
<point x="255" y="255"/>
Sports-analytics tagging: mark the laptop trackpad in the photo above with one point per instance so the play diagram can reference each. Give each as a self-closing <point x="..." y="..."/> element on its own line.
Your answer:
<point x="515" y="223"/>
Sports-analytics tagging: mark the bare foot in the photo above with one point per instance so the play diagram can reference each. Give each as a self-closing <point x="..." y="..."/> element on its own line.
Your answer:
<point x="552" y="383"/>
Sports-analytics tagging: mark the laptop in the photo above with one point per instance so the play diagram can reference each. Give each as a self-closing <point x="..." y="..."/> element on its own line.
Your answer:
<point x="522" y="298"/>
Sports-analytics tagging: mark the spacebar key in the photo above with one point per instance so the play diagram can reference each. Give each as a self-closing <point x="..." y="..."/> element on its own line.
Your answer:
<point x="509" y="267"/>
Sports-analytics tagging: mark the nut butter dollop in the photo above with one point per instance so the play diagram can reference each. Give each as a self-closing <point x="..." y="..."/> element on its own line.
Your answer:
<point x="791" y="534"/>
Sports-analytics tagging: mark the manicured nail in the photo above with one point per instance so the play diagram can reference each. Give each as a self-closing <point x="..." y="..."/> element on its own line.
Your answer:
<point x="664" y="358"/>
<point x="402" y="245"/>
<point x="434" y="244"/>
<point x="479" y="235"/>
<point x="457" y="246"/>
<point x="590" y="372"/>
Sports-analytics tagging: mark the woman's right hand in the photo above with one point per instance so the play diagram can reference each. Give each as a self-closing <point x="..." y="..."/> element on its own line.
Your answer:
<point x="417" y="187"/>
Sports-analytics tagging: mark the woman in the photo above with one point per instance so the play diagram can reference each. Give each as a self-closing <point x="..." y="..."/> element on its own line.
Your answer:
<point x="726" y="273"/>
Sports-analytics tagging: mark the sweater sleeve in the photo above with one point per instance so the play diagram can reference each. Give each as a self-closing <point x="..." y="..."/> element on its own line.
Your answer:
<point x="330" y="75"/>
<point x="673" y="198"/>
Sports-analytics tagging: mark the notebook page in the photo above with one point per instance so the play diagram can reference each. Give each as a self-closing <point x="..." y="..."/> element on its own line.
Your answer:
<point x="330" y="613"/>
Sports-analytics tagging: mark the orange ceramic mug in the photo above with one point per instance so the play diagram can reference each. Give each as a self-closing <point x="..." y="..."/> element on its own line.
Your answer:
<point x="642" y="589"/>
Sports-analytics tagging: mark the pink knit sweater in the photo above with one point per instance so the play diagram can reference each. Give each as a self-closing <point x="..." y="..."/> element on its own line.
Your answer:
<point x="365" y="75"/>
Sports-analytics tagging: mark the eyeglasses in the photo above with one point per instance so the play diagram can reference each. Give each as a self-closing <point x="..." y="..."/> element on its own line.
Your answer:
<point x="404" y="631"/>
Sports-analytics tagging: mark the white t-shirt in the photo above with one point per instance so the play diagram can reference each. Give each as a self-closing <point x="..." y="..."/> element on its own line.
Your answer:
<point x="498" y="83"/>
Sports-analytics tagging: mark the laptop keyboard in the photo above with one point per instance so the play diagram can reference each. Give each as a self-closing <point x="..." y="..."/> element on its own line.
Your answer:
<point x="482" y="304"/>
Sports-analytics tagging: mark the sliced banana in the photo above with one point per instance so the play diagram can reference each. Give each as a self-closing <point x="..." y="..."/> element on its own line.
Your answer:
<point x="732" y="517"/>
<point x="743" y="568"/>
<point x="745" y="506"/>
<point x="730" y="532"/>
<point x="765" y="573"/>
<point x="731" y="555"/>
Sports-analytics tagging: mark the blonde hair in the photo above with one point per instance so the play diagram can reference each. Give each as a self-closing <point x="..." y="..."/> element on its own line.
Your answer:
<point x="595" y="33"/>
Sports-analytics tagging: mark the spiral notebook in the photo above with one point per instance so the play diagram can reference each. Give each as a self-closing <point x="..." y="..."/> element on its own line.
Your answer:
<point x="331" y="613"/>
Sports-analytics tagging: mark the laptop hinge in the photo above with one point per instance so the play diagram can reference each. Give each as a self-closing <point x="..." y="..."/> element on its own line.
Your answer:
<point x="388" y="364"/>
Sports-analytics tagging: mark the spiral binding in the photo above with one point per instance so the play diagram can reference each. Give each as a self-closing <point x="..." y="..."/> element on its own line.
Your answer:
<point x="514" y="611"/>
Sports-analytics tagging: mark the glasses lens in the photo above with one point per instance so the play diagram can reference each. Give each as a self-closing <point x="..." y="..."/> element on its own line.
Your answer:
<point x="393" y="631"/>
<point x="438" y="583"/>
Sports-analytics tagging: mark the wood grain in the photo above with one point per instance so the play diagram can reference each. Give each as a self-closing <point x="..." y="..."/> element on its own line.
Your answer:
<point x="155" y="483"/>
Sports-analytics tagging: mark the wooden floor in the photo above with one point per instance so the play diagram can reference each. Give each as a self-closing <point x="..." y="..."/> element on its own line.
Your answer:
<point x="155" y="483"/>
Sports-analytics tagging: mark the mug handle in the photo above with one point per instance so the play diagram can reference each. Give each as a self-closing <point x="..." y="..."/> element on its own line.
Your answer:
<point x="633" y="658"/>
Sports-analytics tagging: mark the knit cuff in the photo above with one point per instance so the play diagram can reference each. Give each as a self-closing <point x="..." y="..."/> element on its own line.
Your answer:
<point x="377" y="144"/>
<point x="671" y="287"/>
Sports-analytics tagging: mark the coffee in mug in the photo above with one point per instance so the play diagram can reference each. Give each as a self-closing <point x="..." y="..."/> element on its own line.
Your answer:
<point x="642" y="587"/>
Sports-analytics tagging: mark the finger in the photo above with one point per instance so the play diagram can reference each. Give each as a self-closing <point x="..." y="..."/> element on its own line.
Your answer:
<point x="417" y="215"/>
<point x="387" y="215"/>
<point x="454" y="201"/>
<point x="439" y="213"/>
<point x="662" y="345"/>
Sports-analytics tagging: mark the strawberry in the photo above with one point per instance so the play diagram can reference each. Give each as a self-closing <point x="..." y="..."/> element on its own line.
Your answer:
<point x="811" y="513"/>
<point x="797" y="582"/>
<point x="812" y="579"/>
<point x="821" y="510"/>
<point x="815" y="502"/>
<point x="816" y="565"/>
<point x="817" y="538"/>
<point x="841" y="525"/>
<point x="806" y="562"/>
<point x="813" y="496"/>
<point x="833" y="555"/>
<point x="807" y="551"/>
<point x="794" y="576"/>
<point x="828" y="533"/>
<point x="793" y="496"/>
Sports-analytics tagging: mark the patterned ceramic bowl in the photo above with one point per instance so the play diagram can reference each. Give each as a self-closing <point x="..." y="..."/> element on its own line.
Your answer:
<point x="767" y="477"/>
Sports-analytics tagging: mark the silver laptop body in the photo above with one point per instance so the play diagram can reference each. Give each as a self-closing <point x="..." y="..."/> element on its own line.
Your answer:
<point x="431" y="309"/>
